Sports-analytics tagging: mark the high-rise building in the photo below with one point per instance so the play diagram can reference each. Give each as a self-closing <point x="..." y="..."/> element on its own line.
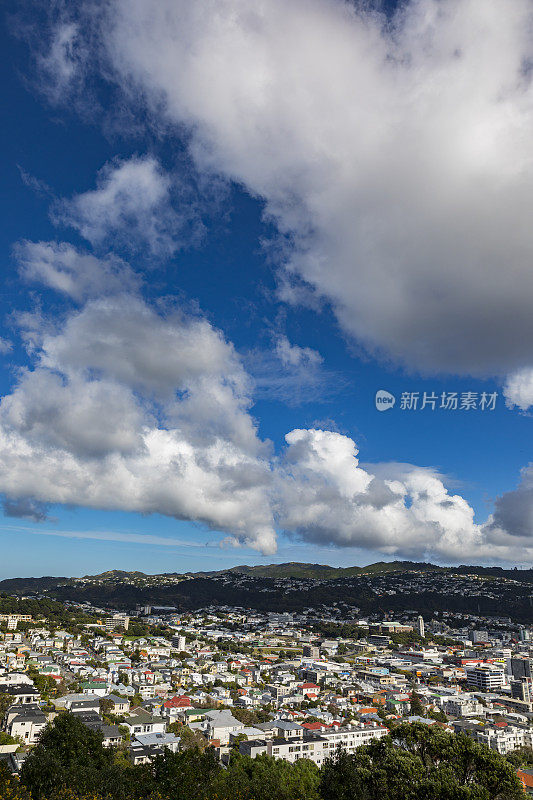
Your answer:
<point x="486" y="677"/>
<point x="180" y="643"/>
<point x="119" y="620"/>
<point x="420" y="624"/>
<point x="525" y="634"/>
<point x="521" y="690"/>
<point x="521" y="667"/>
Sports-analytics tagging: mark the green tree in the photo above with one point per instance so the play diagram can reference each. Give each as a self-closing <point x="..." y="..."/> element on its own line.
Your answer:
<point x="106" y="706"/>
<point x="416" y="705"/>
<point x="5" y="738"/>
<point x="191" y="740"/>
<point x="521" y="757"/>
<point x="250" y="716"/>
<point x="438" y="715"/>
<point x="124" y="732"/>
<point x="10" y="789"/>
<point x="186" y="775"/>
<point x="44" y="684"/>
<point x="265" y="778"/>
<point x="417" y="762"/>
<point x="68" y="755"/>
<point x="6" y="701"/>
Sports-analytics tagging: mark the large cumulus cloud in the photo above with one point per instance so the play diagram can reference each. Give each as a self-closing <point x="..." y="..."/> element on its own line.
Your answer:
<point x="395" y="156"/>
<point x="328" y="497"/>
<point x="396" y="160"/>
<point x="125" y="408"/>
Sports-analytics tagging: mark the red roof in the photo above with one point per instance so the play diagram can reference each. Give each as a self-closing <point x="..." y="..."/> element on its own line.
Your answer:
<point x="314" y="726"/>
<point x="178" y="702"/>
<point x="525" y="776"/>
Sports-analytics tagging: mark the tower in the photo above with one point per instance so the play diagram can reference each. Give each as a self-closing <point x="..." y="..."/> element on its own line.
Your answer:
<point x="524" y="634"/>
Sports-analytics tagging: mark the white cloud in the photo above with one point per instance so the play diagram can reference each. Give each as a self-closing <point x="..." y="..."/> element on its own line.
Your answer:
<point x="103" y="536"/>
<point x="292" y="355"/>
<point x="70" y="271"/>
<point x="132" y="207"/>
<point x="5" y="346"/>
<point x="518" y="389"/>
<point x="325" y="497"/>
<point x="62" y="65"/>
<point x="396" y="158"/>
<point x="126" y="409"/>
<point x="85" y="417"/>
<point x="291" y="374"/>
<point x="513" y="513"/>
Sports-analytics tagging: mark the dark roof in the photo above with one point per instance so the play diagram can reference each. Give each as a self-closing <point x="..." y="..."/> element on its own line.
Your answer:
<point x="24" y="708"/>
<point x="116" y="699"/>
<point x="111" y="731"/>
<point x="87" y="714"/>
<point x="255" y="742"/>
<point x="33" y="716"/>
<point x="18" y="689"/>
<point x="81" y="705"/>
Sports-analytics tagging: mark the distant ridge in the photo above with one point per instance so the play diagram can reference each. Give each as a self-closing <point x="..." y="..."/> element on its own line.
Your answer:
<point x="290" y="569"/>
<point x="295" y="569"/>
<point x="293" y="586"/>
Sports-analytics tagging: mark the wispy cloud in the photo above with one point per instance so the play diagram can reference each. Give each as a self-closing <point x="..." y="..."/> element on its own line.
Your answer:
<point x="110" y="536"/>
<point x="292" y="374"/>
<point x="136" y="205"/>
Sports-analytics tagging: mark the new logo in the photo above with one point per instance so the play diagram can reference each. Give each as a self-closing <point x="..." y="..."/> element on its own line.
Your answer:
<point x="384" y="400"/>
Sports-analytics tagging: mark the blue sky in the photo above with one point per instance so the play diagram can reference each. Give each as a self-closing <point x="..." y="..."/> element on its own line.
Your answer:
<point x="197" y="264"/>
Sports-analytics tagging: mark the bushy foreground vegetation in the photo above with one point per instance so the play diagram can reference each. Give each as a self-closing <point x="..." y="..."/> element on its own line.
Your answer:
<point x="415" y="762"/>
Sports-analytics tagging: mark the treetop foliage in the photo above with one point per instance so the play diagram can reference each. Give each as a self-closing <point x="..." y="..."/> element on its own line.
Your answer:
<point x="415" y="762"/>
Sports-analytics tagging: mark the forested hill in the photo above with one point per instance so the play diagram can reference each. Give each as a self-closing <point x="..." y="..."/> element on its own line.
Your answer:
<point x="292" y="569"/>
<point x="394" y="587"/>
<point x="295" y="569"/>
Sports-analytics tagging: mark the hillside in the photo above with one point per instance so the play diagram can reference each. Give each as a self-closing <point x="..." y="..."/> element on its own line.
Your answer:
<point x="394" y="586"/>
<point x="294" y="569"/>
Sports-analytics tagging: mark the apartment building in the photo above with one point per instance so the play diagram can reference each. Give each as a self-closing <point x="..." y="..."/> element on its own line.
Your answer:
<point x="295" y="742"/>
<point x="462" y="706"/>
<point x="486" y="677"/>
<point x="503" y="740"/>
<point x="13" y="620"/>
